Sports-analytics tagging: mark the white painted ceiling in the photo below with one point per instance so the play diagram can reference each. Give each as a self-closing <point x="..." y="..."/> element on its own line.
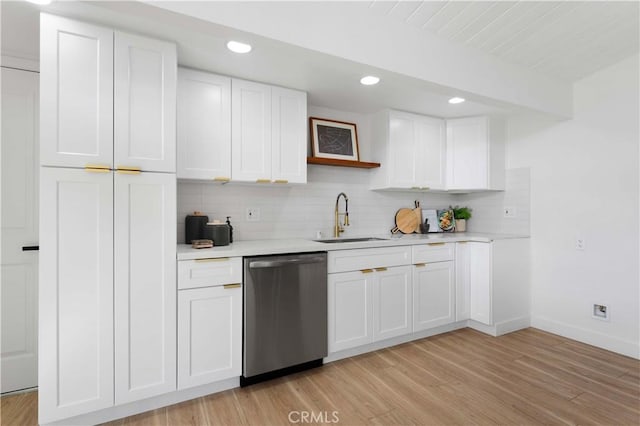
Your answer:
<point x="563" y="39"/>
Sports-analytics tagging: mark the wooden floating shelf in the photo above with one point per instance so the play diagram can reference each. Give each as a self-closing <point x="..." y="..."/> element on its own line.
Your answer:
<point x="342" y="163"/>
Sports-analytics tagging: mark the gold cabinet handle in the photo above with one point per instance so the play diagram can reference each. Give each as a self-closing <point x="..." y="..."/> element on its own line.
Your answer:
<point x="263" y="180"/>
<point x="128" y="172"/>
<point x="281" y="181"/>
<point x="221" y="179"/>
<point x="97" y="168"/>
<point x="380" y="269"/>
<point x="212" y="259"/>
<point x="415" y="187"/>
<point x="435" y="244"/>
<point x="366" y="271"/>
<point x="129" y="168"/>
<point x="230" y="286"/>
<point x="420" y="265"/>
<point x="425" y="188"/>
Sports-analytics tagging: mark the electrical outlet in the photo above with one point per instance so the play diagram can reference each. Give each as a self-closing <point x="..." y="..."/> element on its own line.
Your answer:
<point x="580" y="244"/>
<point x="510" y="211"/>
<point x="600" y="312"/>
<point x="253" y="214"/>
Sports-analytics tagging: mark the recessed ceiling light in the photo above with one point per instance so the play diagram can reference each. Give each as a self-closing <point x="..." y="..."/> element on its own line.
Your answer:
<point x="40" y="2"/>
<point x="456" y="100"/>
<point x="369" y="80"/>
<point x="237" y="47"/>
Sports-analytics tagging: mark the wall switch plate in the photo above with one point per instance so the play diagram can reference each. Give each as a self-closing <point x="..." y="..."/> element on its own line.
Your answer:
<point x="253" y="214"/>
<point x="580" y="243"/>
<point x="510" y="211"/>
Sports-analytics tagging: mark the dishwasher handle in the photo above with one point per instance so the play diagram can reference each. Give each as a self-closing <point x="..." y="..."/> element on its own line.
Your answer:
<point x="257" y="264"/>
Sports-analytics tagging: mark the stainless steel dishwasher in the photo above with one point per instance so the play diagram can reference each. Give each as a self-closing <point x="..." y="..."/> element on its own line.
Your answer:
<point x="285" y="314"/>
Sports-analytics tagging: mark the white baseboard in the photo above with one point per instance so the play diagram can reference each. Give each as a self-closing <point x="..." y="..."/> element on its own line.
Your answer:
<point x="614" y="344"/>
<point x="120" y="411"/>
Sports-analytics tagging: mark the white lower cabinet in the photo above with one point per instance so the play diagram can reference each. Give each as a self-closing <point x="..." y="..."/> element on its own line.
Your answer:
<point x="463" y="281"/>
<point x="433" y="295"/>
<point x="480" y="280"/>
<point x="107" y="289"/>
<point x="145" y="285"/>
<point x="368" y="305"/>
<point x="209" y="334"/>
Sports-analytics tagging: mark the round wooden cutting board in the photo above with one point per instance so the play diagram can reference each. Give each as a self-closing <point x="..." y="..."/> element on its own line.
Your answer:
<point x="406" y="221"/>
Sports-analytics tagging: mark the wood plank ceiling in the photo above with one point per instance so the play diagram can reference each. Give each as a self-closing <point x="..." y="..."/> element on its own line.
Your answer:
<point x="563" y="39"/>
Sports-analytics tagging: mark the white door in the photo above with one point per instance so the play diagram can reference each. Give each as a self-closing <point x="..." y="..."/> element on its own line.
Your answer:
<point x="209" y="335"/>
<point x="463" y="281"/>
<point x="19" y="268"/>
<point x="467" y="153"/>
<point x="289" y="136"/>
<point x="76" y="293"/>
<point x="402" y="160"/>
<point x="204" y="126"/>
<point x="76" y="77"/>
<point x="350" y="310"/>
<point x="145" y="103"/>
<point x="431" y="152"/>
<point x="392" y="303"/>
<point x="480" y="285"/>
<point x="145" y="285"/>
<point x="250" y="131"/>
<point x="433" y="295"/>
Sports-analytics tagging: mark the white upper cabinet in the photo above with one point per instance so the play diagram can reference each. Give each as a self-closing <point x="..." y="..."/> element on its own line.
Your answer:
<point x="475" y="154"/>
<point x="268" y="133"/>
<point x="250" y="131"/>
<point x="411" y="150"/>
<point x="76" y="80"/>
<point x="145" y="285"/>
<point x="204" y="126"/>
<point x="145" y="103"/>
<point x="288" y="136"/>
<point x="76" y="293"/>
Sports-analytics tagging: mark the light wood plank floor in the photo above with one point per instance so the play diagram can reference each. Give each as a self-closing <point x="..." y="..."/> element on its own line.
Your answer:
<point x="463" y="377"/>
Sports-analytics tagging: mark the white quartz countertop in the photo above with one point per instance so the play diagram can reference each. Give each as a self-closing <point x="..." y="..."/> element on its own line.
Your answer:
<point x="265" y="247"/>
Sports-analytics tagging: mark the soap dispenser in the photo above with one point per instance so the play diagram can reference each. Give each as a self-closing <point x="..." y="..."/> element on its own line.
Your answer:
<point x="230" y="229"/>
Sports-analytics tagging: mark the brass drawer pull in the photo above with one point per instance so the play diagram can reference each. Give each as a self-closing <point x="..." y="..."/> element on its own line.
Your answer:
<point x="230" y="286"/>
<point x="212" y="259"/>
<point x="435" y="244"/>
<point x="128" y="168"/>
<point x="221" y="179"/>
<point x="128" y="172"/>
<point x="97" y="168"/>
<point x="366" y="271"/>
<point x="380" y="269"/>
<point x="281" y="181"/>
<point x="263" y="180"/>
<point x="420" y="265"/>
<point x="425" y="188"/>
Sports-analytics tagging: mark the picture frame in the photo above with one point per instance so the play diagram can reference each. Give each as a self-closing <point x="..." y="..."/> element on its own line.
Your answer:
<point x="334" y="139"/>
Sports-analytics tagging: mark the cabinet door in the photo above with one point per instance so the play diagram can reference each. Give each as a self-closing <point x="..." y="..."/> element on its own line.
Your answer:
<point x="209" y="335"/>
<point x="250" y="131"/>
<point x="350" y="310"/>
<point x="403" y="162"/>
<point x="145" y="103"/>
<point x="288" y="136"/>
<point x="463" y="281"/>
<point x="431" y="153"/>
<point x="392" y="303"/>
<point x="480" y="282"/>
<point x="145" y="289"/>
<point x="433" y="295"/>
<point x="76" y="293"/>
<point x="76" y="80"/>
<point x="467" y="153"/>
<point x="204" y="126"/>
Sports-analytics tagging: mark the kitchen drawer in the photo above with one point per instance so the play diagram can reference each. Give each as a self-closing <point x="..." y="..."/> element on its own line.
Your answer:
<point x="433" y="252"/>
<point x="354" y="260"/>
<point x="209" y="272"/>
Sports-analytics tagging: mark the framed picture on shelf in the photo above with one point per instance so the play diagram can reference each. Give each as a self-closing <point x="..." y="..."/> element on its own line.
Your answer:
<point x="334" y="139"/>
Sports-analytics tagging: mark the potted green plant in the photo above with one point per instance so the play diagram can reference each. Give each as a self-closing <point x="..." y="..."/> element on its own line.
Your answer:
<point x="461" y="215"/>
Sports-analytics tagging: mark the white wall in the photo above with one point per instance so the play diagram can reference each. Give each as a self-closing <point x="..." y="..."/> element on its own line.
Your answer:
<point x="584" y="183"/>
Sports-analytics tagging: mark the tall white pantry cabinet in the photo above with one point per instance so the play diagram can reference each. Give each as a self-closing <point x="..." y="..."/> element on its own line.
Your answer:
<point x="108" y="211"/>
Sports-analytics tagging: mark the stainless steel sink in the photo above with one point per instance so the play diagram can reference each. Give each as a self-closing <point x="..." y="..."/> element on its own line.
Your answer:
<point x="351" y="240"/>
